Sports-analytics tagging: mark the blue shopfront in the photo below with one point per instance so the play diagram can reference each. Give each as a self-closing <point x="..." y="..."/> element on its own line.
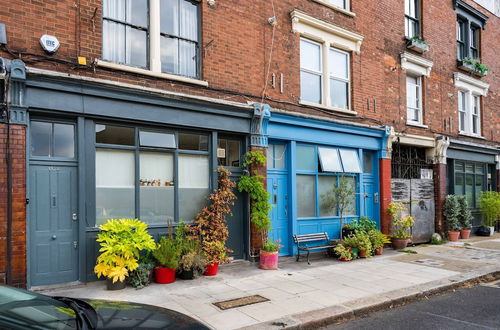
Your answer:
<point x="306" y="159"/>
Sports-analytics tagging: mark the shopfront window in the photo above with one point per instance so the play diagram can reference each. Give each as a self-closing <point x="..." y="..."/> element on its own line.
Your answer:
<point x="470" y="181"/>
<point x="152" y="179"/>
<point x="53" y="140"/>
<point x="319" y="170"/>
<point x="228" y="152"/>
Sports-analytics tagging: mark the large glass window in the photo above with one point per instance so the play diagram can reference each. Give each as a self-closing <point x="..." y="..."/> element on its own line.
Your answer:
<point x="470" y="21"/>
<point x="319" y="170"/>
<point x="127" y="38"/>
<point x="115" y="184"/>
<point x="470" y="181"/>
<point x="125" y="32"/>
<point x="52" y="139"/>
<point x="276" y="156"/>
<point x="412" y="18"/>
<point x="150" y="179"/>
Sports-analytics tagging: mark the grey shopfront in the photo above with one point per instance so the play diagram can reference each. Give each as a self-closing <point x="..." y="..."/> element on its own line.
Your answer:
<point x="471" y="169"/>
<point x="98" y="151"/>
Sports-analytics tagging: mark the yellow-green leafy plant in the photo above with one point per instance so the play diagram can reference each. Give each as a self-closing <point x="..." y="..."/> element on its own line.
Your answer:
<point x="400" y="225"/>
<point x="489" y="203"/>
<point x="378" y="239"/>
<point x="121" y="241"/>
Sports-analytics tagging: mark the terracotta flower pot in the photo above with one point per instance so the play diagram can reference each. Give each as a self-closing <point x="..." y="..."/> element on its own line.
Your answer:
<point x="268" y="260"/>
<point x="118" y="285"/>
<point x="464" y="233"/>
<point x="362" y="253"/>
<point x="343" y="259"/>
<point x="379" y="251"/>
<point x="164" y="275"/>
<point x="399" y="243"/>
<point x="211" y="269"/>
<point x="453" y="235"/>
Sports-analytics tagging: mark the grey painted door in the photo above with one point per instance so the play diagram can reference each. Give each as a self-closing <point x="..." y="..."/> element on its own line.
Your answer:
<point x="53" y="224"/>
<point x="236" y="225"/>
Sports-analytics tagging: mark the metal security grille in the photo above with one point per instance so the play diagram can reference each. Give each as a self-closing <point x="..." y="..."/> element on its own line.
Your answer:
<point x="408" y="161"/>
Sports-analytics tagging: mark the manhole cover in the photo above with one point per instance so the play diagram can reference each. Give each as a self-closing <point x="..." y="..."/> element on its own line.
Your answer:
<point x="430" y="262"/>
<point x="239" y="302"/>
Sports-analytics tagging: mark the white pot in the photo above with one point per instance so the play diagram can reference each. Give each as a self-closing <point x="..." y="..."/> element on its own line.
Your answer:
<point x="492" y="231"/>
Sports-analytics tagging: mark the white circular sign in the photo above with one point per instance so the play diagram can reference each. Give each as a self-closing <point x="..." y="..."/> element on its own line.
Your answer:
<point x="49" y="43"/>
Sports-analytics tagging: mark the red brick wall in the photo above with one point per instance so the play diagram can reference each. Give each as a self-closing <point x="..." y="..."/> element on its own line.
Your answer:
<point x="18" y="156"/>
<point x="385" y="195"/>
<point x="439" y="195"/>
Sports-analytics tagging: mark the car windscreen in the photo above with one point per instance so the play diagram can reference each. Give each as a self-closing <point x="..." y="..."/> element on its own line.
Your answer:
<point x="26" y="310"/>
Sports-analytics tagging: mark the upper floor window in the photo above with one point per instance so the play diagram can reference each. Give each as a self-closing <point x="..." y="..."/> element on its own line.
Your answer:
<point x="412" y="18"/>
<point x="162" y="36"/>
<point x="320" y="74"/>
<point x="344" y="4"/>
<point x="469" y="108"/>
<point x="469" y="23"/>
<point x="414" y="98"/>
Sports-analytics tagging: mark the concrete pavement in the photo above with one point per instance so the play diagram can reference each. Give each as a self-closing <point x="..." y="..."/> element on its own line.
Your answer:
<point x="302" y="295"/>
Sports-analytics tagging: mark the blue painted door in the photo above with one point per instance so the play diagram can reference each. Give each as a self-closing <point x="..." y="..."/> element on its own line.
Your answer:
<point x="53" y="224"/>
<point x="277" y="185"/>
<point x="369" y="200"/>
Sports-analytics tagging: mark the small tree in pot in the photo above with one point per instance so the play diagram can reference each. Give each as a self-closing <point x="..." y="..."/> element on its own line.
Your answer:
<point x="464" y="217"/>
<point x="452" y="212"/>
<point x="490" y="208"/>
<point x="400" y="226"/>
<point x="167" y="256"/>
<point x="339" y="198"/>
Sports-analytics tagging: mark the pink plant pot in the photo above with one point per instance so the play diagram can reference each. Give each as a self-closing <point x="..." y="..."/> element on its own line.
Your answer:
<point x="268" y="260"/>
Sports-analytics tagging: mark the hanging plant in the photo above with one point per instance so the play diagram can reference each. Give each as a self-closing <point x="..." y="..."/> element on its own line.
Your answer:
<point x="259" y="196"/>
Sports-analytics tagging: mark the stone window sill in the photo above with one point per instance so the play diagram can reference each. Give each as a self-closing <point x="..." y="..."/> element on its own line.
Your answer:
<point x="412" y="123"/>
<point x="472" y="135"/>
<point x="341" y="10"/>
<point x="150" y="73"/>
<point x="333" y="109"/>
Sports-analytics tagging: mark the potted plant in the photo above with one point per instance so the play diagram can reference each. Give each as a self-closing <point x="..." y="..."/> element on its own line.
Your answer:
<point x="473" y="66"/>
<point x="347" y="230"/>
<point x="141" y="276"/>
<point x="121" y="241"/>
<point x="259" y="204"/>
<point x="339" y="198"/>
<point x="167" y="256"/>
<point x="269" y="254"/>
<point x="344" y="253"/>
<point x="363" y="224"/>
<point x="378" y="240"/>
<point x="489" y="203"/>
<point x="464" y="217"/>
<point x="210" y="223"/>
<point x="400" y="226"/>
<point x="360" y="241"/>
<point x="452" y="212"/>
<point x="417" y="44"/>
<point x="192" y="261"/>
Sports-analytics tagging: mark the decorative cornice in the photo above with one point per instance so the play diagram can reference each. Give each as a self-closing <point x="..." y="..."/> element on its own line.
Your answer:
<point x="416" y="64"/>
<point x="480" y="17"/>
<point x="302" y="23"/>
<point x="467" y="82"/>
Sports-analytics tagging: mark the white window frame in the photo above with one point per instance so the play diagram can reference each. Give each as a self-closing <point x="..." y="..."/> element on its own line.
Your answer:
<point x="345" y="9"/>
<point x="154" y="52"/>
<point x="319" y="73"/>
<point x="419" y="107"/>
<point x="329" y="36"/>
<point x="409" y="18"/>
<point x="473" y="89"/>
<point x="338" y="78"/>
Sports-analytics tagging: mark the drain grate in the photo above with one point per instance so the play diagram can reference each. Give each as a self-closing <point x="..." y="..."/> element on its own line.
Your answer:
<point x="430" y="262"/>
<point x="239" y="302"/>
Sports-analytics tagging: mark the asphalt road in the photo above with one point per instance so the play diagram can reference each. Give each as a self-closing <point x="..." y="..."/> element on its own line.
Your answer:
<point x="475" y="308"/>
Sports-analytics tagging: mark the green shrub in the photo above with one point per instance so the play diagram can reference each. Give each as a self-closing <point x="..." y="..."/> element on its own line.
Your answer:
<point x="168" y="253"/>
<point x="364" y="224"/>
<point x="464" y="214"/>
<point x="489" y="202"/>
<point x="452" y="212"/>
<point x="400" y="225"/>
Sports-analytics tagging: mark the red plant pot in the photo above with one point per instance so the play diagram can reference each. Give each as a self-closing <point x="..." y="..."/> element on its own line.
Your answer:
<point x="211" y="269"/>
<point x="453" y="235"/>
<point x="164" y="275"/>
<point x="268" y="260"/>
<point x="464" y="233"/>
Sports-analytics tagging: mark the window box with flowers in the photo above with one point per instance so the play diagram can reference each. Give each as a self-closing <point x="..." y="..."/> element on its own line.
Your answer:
<point x="418" y="45"/>
<point x="473" y="66"/>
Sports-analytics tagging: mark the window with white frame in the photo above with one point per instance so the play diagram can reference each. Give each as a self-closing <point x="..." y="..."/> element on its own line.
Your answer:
<point x="344" y="4"/>
<point x="469" y="112"/>
<point x="325" y="56"/>
<point x="412" y="18"/>
<point x="158" y="35"/>
<point x="414" y="99"/>
<point x="314" y="79"/>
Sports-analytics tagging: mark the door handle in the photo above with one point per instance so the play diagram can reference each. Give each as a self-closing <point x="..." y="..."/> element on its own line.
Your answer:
<point x="275" y="197"/>
<point x="74" y="217"/>
<point x="54" y="237"/>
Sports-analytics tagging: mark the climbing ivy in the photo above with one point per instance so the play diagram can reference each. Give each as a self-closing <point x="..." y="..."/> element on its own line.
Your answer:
<point x="254" y="186"/>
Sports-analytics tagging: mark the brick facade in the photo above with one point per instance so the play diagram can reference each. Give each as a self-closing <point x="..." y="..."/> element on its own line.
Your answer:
<point x="235" y="47"/>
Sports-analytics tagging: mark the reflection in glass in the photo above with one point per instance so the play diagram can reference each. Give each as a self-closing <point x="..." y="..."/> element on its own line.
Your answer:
<point x="136" y="47"/>
<point x="329" y="160"/>
<point x="40" y="138"/>
<point x="350" y="161"/>
<point x="189" y="141"/>
<point x="232" y="152"/>
<point x="193" y="185"/>
<point x="367" y="162"/>
<point x="479" y="188"/>
<point x="469" y="188"/>
<point x="108" y="134"/>
<point x="305" y="158"/>
<point x="157" y="139"/>
<point x="325" y="186"/>
<point x="306" y="196"/>
<point x="169" y="55"/>
<point x="459" y="184"/>
<point x="156" y="180"/>
<point x="310" y="55"/>
<point x="310" y="87"/>
<point x="351" y="209"/>
<point x="339" y="94"/>
<point x="115" y="187"/>
<point x="64" y="140"/>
